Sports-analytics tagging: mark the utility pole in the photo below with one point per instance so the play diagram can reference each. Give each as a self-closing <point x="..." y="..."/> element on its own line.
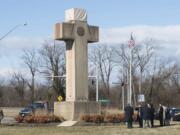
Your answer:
<point x="97" y="82"/>
<point x="122" y="85"/>
<point x="122" y="97"/>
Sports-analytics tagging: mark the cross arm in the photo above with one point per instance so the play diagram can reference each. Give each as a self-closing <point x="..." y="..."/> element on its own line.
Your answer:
<point x="64" y="31"/>
<point x="93" y="34"/>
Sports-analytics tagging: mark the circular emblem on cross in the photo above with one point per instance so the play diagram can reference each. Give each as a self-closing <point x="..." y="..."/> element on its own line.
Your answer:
<point x="80" y="31"/>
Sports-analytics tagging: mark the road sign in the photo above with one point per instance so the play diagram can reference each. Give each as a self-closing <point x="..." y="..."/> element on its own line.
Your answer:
<point x="141" y="98"/>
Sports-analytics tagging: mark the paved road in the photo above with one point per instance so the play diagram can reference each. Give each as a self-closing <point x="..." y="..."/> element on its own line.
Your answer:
<point x="11" y="111"/>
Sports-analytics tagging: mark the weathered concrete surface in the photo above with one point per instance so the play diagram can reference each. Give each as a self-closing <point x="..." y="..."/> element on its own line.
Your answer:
<point x="76" y="56"/>
<point x="76" y="32"/>
<point x="74" y="110"/>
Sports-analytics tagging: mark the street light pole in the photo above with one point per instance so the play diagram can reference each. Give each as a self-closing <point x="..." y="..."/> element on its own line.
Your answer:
<point x="95" y="76"/>
<point x="11" y="30"/>
<point x="97" y="83"/>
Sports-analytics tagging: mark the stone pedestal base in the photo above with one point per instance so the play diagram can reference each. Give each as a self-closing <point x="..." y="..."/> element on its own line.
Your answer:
<point x="74" y="110"/>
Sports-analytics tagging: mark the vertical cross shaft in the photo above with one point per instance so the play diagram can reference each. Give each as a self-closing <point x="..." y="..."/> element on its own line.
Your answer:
<point x="76" y="34"/>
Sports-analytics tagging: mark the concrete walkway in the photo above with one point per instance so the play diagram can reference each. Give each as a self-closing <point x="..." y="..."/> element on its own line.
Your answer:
<point x="67" y="124"/>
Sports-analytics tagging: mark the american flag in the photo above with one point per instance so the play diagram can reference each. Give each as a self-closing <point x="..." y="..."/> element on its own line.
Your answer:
<point x="131" y="42"/>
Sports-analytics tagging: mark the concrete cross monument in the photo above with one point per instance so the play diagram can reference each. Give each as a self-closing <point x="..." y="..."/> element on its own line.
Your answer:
<point x="76" y="33"/>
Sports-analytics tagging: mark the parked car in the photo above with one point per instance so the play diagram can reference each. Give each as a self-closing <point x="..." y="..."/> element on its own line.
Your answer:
<point x="175" y="114"/>
<point x="35" y="106"/>
<point x="26" y="111"/>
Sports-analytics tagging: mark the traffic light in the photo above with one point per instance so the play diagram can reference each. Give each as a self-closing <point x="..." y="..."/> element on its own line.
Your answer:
<point x="122" y="84"/>
<point x="92" y="82"/>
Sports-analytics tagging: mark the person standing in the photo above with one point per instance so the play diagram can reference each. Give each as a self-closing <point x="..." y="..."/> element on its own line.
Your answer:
<point x="164" y="115"/>
<point x="167" y="116"/>
<point x="152" y="111"/>
<point x="140" y="116"/>
<point x="129" y="111"/>
<point x="1" y="115"/>
<point x="161" y="110"/>
<point x="146" y="116"/>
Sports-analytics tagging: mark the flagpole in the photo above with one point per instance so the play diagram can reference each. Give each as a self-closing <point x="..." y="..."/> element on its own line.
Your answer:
<point x="131" y="44"/>
<point x="130" y="76"/>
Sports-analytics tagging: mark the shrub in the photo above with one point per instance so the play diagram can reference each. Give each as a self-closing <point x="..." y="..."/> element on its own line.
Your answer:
<point x="93" y="118"/>
<point x="86" y="118"/>
<point x="39" y="119"/>
<point x="115" y="118"/>
<point x="28" y="119"/>
<point x="97" y="118"/>
<point x="19" y="119"/>
<point x="112" y="118"/>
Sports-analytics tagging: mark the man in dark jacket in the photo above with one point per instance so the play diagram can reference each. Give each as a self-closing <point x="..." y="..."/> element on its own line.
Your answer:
<point x="161" y="111"/>
<point x="152" y="111"/>
<point x="140" y="115"/>
<point x="1" y="114"/>
<point x="129" y="111"/>
<point x="146" y="115"/>
<point x="167" y="116"/>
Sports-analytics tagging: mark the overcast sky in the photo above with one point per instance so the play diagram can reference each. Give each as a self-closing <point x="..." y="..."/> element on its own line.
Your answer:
<point x="156" y="19"/>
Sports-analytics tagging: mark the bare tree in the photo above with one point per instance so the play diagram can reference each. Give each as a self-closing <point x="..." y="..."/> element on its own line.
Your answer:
<point x="159" y="81"/>
<point x="19" y="83"/>
<point x="103" y="57"/>
<point x="30" y="59"/>
<point x="144" y="53"/>
<point x="53" y="64"/>
<point x="122" y="60"/>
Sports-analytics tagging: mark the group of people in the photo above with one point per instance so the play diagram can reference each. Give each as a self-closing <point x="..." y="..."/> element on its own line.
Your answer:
<point x="146" y="115"/>
<point x="164" y="115"/>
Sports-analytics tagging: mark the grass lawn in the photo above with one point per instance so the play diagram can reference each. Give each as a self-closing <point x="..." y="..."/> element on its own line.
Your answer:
<point x="174" y="129"/>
